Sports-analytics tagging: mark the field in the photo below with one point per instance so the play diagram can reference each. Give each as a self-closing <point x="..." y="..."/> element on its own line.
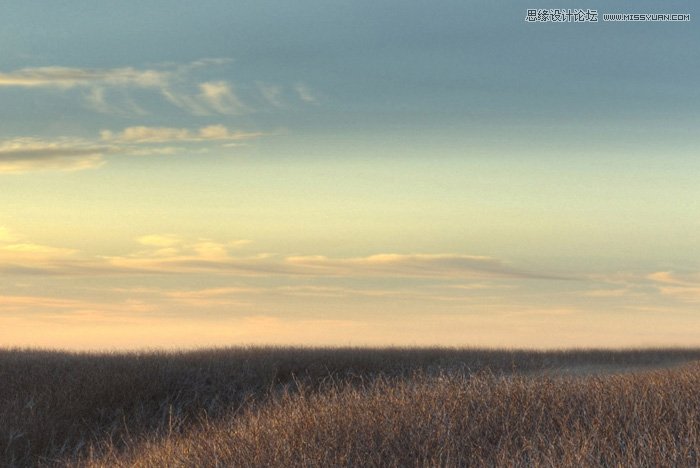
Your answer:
<point x="350" y="407"/>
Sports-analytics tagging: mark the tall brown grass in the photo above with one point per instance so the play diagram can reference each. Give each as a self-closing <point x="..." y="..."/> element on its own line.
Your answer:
<point x="315" y="407"/>
<point x="649" y="419"/>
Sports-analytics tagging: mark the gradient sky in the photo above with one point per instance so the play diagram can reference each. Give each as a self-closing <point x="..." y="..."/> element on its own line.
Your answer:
<point x="178" y="174"/>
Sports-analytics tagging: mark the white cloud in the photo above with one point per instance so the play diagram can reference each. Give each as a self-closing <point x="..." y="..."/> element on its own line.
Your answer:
<point x="171" y="81"/>
<point x="66" y="77"/>
<point x="111" y="90"/>
<point x="220" y="96"/>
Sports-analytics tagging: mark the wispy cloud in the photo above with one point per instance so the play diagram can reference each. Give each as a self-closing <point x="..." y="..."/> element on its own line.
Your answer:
<point x="221" y="97"/>
<point x="27" y="154"/>
<point x="171" y="81"/>
<point x="142" y="134"/>
<point x="160" y="240"/>
<point x="102" y="100"/>
<point x="684" y="287"/>
<point x="272" y="94"/>
<point x="607" y="293"/>
<point x="20" y="155"/>
<point x="305" y="93"/>
<point x="53" y="309"/>
<point x="675" y="278"/>
<point x="422" y="265"/>
<point x="645" y="289"/>
<point x="21" y="256"/>
<point x="683" y="293"/>
<point x="66" y="77"/>
<point x="109" y="90"/>
<point x="170" y="254"/>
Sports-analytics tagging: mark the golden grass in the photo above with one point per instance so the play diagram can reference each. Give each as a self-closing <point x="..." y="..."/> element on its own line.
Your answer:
<point x="348" y="407"/>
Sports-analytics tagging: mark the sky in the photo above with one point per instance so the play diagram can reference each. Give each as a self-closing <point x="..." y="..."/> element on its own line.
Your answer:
<point x="215" y="173"/>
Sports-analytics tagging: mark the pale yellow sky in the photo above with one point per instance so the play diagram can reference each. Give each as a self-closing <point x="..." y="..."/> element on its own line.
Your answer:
<point x="171" y="291"/>
<point x="347" y="174"/>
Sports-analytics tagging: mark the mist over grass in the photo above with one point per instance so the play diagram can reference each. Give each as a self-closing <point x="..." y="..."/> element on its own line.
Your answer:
<point x="255" y="406"/>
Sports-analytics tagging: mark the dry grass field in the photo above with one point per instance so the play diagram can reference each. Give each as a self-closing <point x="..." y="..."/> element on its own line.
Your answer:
<point x="350" y="407"/>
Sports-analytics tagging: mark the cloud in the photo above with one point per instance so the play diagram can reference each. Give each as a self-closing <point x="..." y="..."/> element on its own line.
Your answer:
<point x="211" y="97"/>
<point x="305" y="93"/>
<point x="681" y="287"/>
<point x="142" y="134"/>
<point x="21" y="155"/>
<point x="200" y="63"/>
<point x="212" y="292"/>
<point x="66" y="77"/>
<point x="23" y="257"/>
<point x="682" y="293"/>
<point x="160" y="240"/>
<point x="65" y="309"/>
<point x="15" y="303"/>
<point x="43" y="251"/>
<point x="26" y="154"/>
<point x="186" y="102"/>
<point x="271" y="93"/>
<point x="96" y="99"/>
<point x="168" y="249"/>
<point x="215" y="258"/>
<point x="117" y="90"/>
<point x="421" y="265"/>
<point x="670" y="277"/>
<point x="684" y="287"/>
<point x="172" y="81"/>
<point x="220" y="96"/>
<point x="171" y="254"/>
<point x="211" y="297"/>
<point x="30" y="259"/>
<point x="621" y="292"/>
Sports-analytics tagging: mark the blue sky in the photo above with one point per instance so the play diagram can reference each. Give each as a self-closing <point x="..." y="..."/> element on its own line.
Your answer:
<point x="308" y="172"/>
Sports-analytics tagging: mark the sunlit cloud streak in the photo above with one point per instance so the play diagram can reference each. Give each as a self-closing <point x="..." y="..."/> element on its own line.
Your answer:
<point x="20" y="155"/>
<point x="143" y="134"/>
<point x="28" y="154"/>
<point x="107" y="90"/>
<point x="684" y="287"/>
<point x="420" y="265"/>
<point x="67" y="77"/>
<point x="169" y="254"/>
